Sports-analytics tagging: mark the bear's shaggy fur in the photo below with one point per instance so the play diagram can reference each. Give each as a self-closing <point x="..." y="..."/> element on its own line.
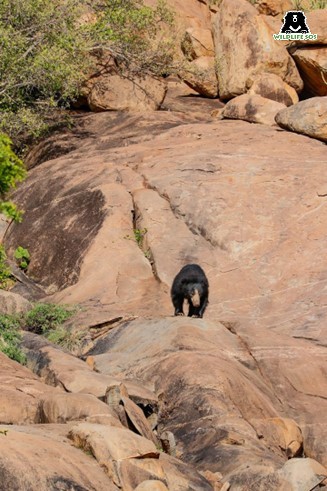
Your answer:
<point x="294" y="23"/>
<point x="191" y="284"/>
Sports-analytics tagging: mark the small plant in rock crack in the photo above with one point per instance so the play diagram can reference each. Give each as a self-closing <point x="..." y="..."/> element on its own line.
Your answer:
<point x="46" y="317"/>
<point x="10" y="338"/>
<point x="22" y="257"/>
<point x="138" y="236"/>
<point x="4" y="432"/>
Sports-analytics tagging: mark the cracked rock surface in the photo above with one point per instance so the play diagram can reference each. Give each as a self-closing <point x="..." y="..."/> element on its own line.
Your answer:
<point x="108" y="225"/>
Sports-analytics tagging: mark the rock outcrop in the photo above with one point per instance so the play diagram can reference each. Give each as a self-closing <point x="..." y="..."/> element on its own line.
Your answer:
<point x="272" y="87"/>
<point x="307" y="117"/>
<point x="312" y="64"/>
<point x="252" y="108"/>
<point x="236" y="400"/>
<point x="245" y="47"/>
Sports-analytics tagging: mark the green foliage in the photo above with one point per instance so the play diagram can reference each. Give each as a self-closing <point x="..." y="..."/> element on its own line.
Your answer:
<point x="6" y="278"/>
<point x="12" y="170"/>
<point x="45" y="52"/>
<point x="69" y="340"/>
<point x="10" y="338"/>
<point x="22" y="257"/>
<point x="139" y="235"/>
<point x="45" y="317"/>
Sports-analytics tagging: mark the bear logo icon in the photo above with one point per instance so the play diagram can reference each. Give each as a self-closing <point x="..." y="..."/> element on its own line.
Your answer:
<point x="295" y="22"/>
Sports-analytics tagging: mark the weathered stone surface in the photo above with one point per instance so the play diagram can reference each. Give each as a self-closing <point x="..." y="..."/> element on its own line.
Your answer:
<point x="115" y="93"/>
<point x="283" y="434"/>
<point x="39" y="460"/>
<point x="272" y="87"/>
<point x="59" y="408"/>
<point x="21" y="393"/>
<point x="151" y="485"/>
<point x="132" y="472"/>
<point x="252" y="108"/>
<point x="245" y="47"/>
<point x="312" y="64"/>
<point x="111" y="445"/>
<point x="197" y="42"/>
<point x="63" y="369"/>
<point x="274" y="7"/>
<point x="247" y="202"/>
<point x="308" y="117"/>
<point x="201" y="76"/>
<point x="193" y="14"/>
<point x="295" y="475"/>
<point x="12" y="303"/>
<point x="138" y="420"/>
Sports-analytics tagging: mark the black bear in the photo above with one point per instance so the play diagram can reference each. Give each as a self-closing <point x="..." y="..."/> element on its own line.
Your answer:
<point x="294" y="23"/>
<point x="191" y="284"/>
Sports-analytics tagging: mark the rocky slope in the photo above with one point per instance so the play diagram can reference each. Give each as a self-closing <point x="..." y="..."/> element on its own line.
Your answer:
<point x="112" y="211"/>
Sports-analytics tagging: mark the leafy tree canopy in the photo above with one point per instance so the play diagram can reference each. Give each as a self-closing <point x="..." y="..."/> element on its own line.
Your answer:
<point x="46" y="52"/>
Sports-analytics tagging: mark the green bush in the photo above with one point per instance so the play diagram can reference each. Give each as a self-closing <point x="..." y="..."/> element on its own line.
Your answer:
<point x="10" y="338"/>
<point x="45" y="317"/>
<point x="6" y="278"/>
<point x="22" y="257"/>
<point x="45" y="49"/>
<point x="12" y="171"/>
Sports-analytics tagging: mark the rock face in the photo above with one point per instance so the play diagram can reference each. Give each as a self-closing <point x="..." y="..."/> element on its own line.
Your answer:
<point x="233" y="395"/>
<point x="312" y="63"/>
<point x="198" y="42"/>
<point x="274" y="7"/>
<point x="272" y="87"/>
<point x="201" y="76"/>
<point x="12" y="303"/>
<point x="307" y="117"/>
<point x="252" y="108"/>
<point x="115" y="93"/>
<point x="245" y="47"/>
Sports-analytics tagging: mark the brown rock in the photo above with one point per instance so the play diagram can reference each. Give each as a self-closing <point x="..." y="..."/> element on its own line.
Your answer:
<point x="12" y="303"/>
<point x="197" y="42"/>
<point x="138" y="420"/>
<point x="283" y="434"/>
<point x="59" y="408"/>
<point x="111" y="444"/>
<point x="151" y="485"/>
<point x="274" y="7"/>
<point x="272" y="87"/>
<point x="252" y="108"/>
<point x="243" y="201"/>
<point x="63" y="369"/>
<point x="308" y="117"/>
<point x="245" y="47"/>
<point x="181" y="476"/>
<point x="193" y="14"/>
<point x="312" y="64"/>
<point x="115" y="93"/>
<point x="201" y="76"/>
<point x="21" y="393"/>
<point x="295" y="475"/>
<point x="32" y="460"/>
<point x="133" y="472"/>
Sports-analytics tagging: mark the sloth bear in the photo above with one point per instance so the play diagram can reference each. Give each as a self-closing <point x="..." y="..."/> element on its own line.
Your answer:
<point x="190" y="283"/>
<point x="294" y="23"/>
